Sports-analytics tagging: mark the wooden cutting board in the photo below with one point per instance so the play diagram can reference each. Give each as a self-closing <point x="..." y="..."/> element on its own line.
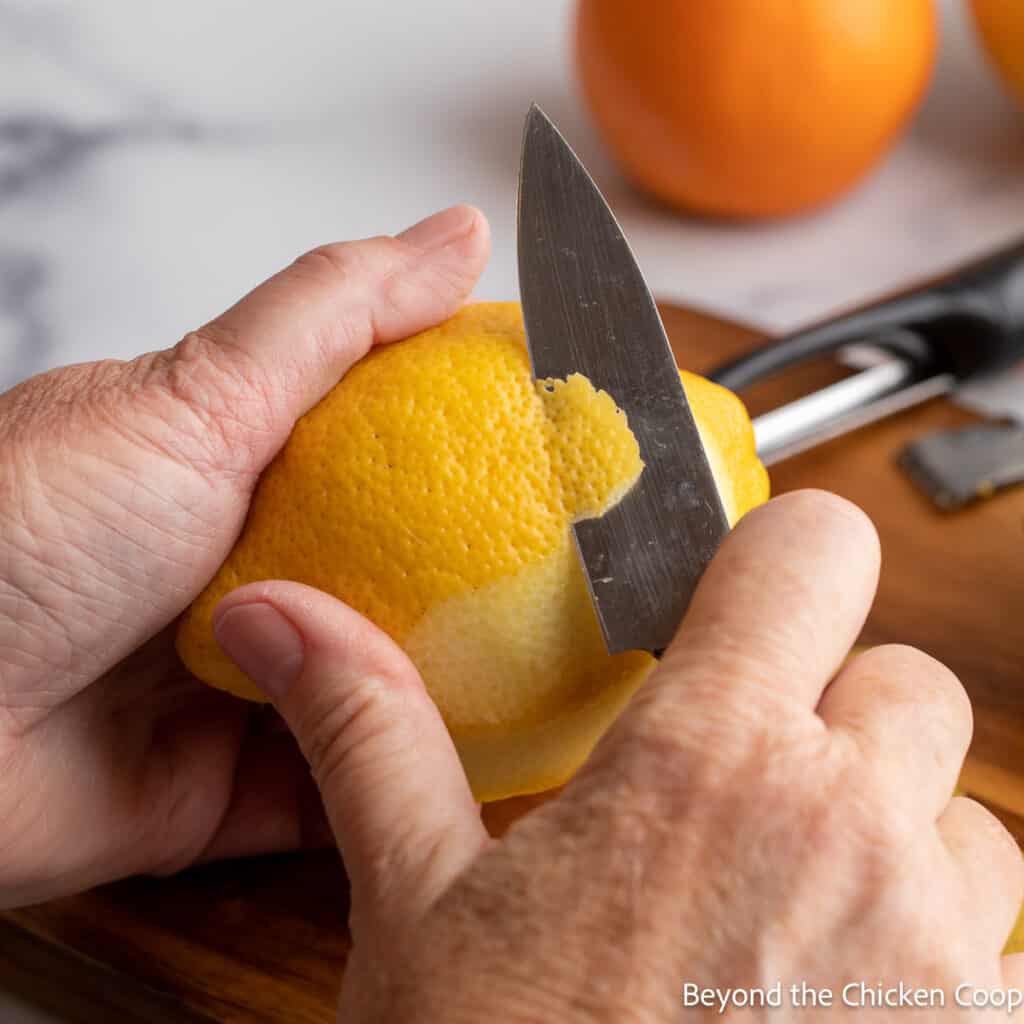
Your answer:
<point x="265" y="940"/>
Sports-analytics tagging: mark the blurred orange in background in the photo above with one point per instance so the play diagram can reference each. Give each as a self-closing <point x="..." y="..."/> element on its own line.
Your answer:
<point x="753" y="108"/>
<point x="1001" y="23"/>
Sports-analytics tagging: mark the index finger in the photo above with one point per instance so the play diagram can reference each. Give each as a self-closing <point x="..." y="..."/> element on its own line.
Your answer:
<point x="774" y="616"/>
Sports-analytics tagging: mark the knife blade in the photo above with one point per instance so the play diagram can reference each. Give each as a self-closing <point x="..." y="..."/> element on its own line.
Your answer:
<point x="588" y="310"/>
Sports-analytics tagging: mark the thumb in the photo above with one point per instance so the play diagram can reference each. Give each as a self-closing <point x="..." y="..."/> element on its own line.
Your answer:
<point x="395" y="792"/>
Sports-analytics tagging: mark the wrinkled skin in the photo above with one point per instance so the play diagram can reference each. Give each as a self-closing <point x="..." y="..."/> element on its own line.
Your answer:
<point x="760" y="813"/>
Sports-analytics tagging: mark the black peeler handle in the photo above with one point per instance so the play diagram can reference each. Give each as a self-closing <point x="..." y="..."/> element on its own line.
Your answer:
<point x="971" y="322"/>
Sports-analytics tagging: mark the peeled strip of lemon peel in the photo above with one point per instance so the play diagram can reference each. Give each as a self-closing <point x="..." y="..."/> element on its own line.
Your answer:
<point x="571" y="405"/>
<point x="433" y="490"/>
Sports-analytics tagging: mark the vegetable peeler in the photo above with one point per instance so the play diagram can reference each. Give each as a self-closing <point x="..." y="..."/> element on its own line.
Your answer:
<point x="926" y="342"/>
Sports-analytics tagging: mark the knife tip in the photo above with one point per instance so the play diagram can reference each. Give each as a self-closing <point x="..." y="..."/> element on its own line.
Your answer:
<point x="535" y="117"/>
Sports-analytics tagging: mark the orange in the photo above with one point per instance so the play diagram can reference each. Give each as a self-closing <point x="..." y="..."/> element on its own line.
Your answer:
<point x="752" y="108"/>
<point x="433" y="490"/>
<point x="1001" y="23"/>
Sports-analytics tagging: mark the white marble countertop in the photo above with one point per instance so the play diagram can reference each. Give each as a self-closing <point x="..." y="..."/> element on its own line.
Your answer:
<point x="157" y="160"/>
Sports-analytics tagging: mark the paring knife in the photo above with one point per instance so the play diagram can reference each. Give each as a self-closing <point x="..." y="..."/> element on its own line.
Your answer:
<point x="588" y="310"/>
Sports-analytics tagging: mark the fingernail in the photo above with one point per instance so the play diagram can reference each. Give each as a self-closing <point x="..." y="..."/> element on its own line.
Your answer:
<point x="263" y="644"/>
<point x="441" y="229"/>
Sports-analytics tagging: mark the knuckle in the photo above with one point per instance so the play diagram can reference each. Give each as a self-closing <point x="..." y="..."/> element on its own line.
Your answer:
<point x="620" y="831"/>
<point x="200" y="403"/>
<point x="180" y="833"/>
<point x="733" y="749"/>
<point x="785" y="795"/>
<point x="349" y="738"/>
<point x="720" y="726"/>
<point x="649" y="782"/>
<point x="647" y="764"/>
<point x="877" y="832"/>
<point x="828" y="820"/>
<point x="52" y="405"/>
<point x="223" y="405"/>
<point x="326" y="263"/>
<point x="341" y="261"/>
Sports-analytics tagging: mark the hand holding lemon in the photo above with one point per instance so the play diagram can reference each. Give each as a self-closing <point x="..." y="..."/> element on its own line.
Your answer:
<point x="124" y="487"/>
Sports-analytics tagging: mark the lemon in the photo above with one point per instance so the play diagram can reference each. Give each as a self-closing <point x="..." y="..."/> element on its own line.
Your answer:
<point x="1015" y="943"/>
<point x="433" y="490"/>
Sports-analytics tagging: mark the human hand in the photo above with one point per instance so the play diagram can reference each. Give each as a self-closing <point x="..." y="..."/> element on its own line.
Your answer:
<point x="123" y="486"/>
<point x="745" y="822"/>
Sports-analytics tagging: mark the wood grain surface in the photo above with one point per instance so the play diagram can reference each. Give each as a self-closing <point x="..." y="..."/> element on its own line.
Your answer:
<point x="265" y="940"/>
